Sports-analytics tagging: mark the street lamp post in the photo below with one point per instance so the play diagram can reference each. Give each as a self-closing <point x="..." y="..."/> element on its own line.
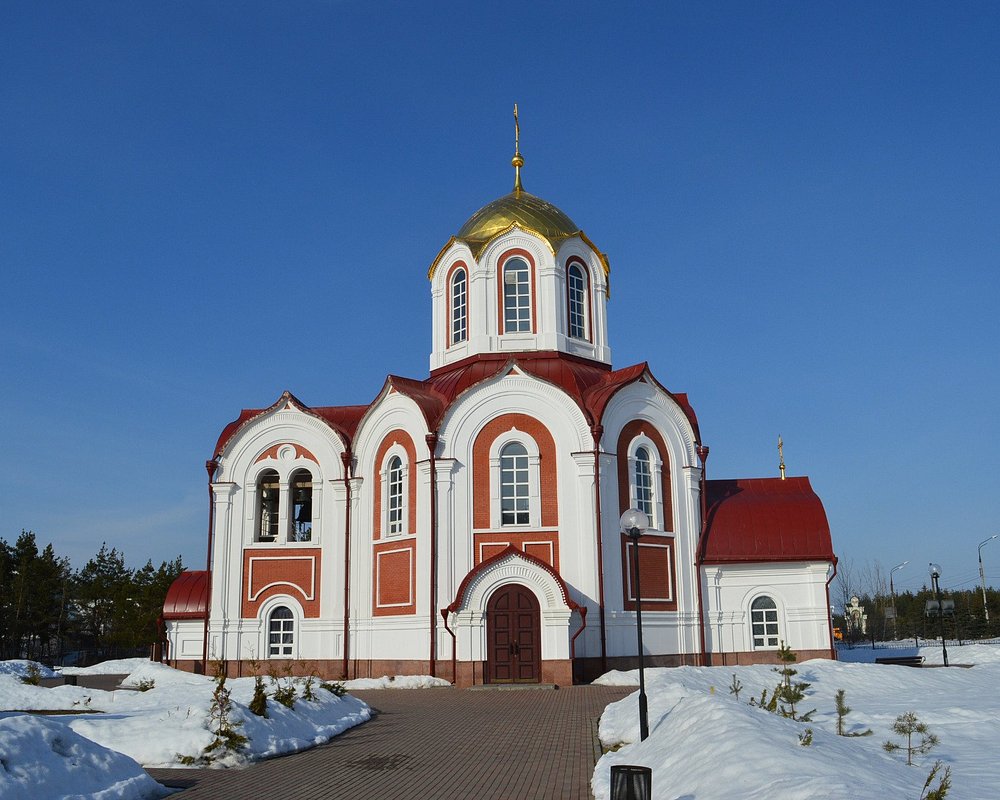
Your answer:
<point x="982" y="575"/>
<point x="892" y="593"/>
<point x="935" y="575"/>
<point x="634" y="524"/>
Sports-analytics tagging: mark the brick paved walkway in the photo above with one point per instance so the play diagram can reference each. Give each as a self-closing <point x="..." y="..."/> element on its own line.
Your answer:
<point x="440" y="744"/>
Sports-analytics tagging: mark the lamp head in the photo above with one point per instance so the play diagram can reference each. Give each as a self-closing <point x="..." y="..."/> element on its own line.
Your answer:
<point x="634" y="523"/>
<point x="935" y="570"/>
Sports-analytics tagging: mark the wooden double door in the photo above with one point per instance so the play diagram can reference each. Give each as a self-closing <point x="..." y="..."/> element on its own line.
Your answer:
<point x="513" y="631"/>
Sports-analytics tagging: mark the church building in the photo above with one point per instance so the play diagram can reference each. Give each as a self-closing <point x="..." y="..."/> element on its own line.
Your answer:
<point x="466" y="524"/>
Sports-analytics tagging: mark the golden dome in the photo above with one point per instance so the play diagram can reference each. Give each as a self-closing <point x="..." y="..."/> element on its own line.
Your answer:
<point x="517" y="208"/>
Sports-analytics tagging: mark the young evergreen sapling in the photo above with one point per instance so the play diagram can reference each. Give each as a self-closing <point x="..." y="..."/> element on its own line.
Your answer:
<point x="842" y="711"/>
<point x="907" y="725"/>
<point x="788" y="692"/>
<point x="258" y="703"/>
<point x="943" y="785"/>
<point x="225" y="729"/>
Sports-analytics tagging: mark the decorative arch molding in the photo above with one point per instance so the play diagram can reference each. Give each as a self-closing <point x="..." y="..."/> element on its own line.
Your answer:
<point x="473" y="410"/>
<point x="516" y="238"/>
<point x="294" y="451"/>
<point x="391" y="410"/>
<point x="576" y="249"/>
<point x="512" y="566"/>
<point x="250" y="444"/>
<point x="454" y="250"/>
<point x="641" y="401"/>
<point x="753" y="593"/>
<point x="266" y="607"/>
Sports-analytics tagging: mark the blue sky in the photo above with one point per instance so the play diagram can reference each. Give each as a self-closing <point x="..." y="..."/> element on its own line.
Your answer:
<point x="204" y="204"/>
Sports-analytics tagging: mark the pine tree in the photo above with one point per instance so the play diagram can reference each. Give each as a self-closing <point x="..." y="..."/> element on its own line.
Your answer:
<point x="943" y="785"/>
<point x="225" y="729"/>
<point x="787" y="692"/>
<point x="842" y="711"/>
<point x="908" y="725"/>
<point x="735" y="687"/>
<point x="258" y="703"/>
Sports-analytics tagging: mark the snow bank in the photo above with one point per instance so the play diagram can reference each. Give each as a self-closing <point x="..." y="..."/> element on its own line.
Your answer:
<point x="396" y="682"/>
<point x="704" y="744"/>
<point x="711" y="748"/>
<point x="19" y="667"/>
<point x="97" y="752"/>
<point x="40" y="757"/>
<point x="120" y="666"/>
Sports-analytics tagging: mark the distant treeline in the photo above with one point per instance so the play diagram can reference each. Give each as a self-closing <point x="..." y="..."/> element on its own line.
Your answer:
<point x="49" y="612"/>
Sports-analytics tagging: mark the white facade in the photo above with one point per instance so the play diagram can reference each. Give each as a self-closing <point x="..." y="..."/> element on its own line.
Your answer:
<point x="487" y="496"/>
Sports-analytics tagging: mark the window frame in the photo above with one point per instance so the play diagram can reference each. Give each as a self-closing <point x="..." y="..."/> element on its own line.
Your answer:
<point x="581" y="297"/>
<point x="459" y="273"/>
<point x="766" y="636"/>
<point x="388" y="528"/>
<point x="287" y="628"/>
<point x="497" y="447"/>
<point x="515" y="473"/>
<point x="293" y="503"/>
<point x="524" y="301"/>
<point x="643" y="442"/>
<point x="267" y="490"/>
<point x="276" y="460"/>
<point x="643" y="482"/>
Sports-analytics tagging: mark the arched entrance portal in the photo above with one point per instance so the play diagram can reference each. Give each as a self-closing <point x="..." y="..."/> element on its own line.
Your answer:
<point x="513" y="631"/>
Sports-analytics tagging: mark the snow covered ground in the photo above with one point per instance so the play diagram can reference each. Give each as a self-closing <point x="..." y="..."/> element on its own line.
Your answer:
<point x="96" y="752"/>
<point x="703" y="744"/>
<point x="706" y="745"/>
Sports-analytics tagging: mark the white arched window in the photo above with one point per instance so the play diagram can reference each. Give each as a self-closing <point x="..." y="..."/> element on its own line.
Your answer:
<point x="644" y="483"/>
<point x="268" y="497"/>
<point x="516" y="296"/>
<point x="302" y="504"/>
<point x="645" y="475"/>
<point x="764" y="623"/>
<point x="394" y="496"/>
<point x="514" y="485"/>
<point x="459" y="307"/>
<point x="280" y="633"/>
<point x="577" y="305"/>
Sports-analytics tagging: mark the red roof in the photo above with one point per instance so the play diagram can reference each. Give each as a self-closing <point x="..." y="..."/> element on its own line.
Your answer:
<point x="590" y="384"/>
<point x="342" y="419"/>
<point x="187" y="597"/>
<point x="752" y="520"/>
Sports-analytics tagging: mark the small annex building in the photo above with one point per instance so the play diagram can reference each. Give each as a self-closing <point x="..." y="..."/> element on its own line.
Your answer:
<point x="466" y="524"/>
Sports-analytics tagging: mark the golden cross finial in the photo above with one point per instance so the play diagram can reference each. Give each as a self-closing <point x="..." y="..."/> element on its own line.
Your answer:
<point x="517" y="162"/>
<point x="781" y="456"/>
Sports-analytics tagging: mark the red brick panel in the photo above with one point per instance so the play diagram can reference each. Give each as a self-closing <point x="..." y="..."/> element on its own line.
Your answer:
<point x="638" y="427"/>
<point x="548" y="487"/>
<point x="543" y="545"/>
<point x="290" y="571"/>
<point x="402" y="438"/>
<point x="394" y="578"/>
<point x="657" y="573"/>
<point x="272" y="452"/>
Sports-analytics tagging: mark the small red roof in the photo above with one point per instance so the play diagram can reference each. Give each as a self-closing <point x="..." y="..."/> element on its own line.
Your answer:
<point x="753" y="520"/>
<point x="187" y="597"/>
<point x="342" y="419"/>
